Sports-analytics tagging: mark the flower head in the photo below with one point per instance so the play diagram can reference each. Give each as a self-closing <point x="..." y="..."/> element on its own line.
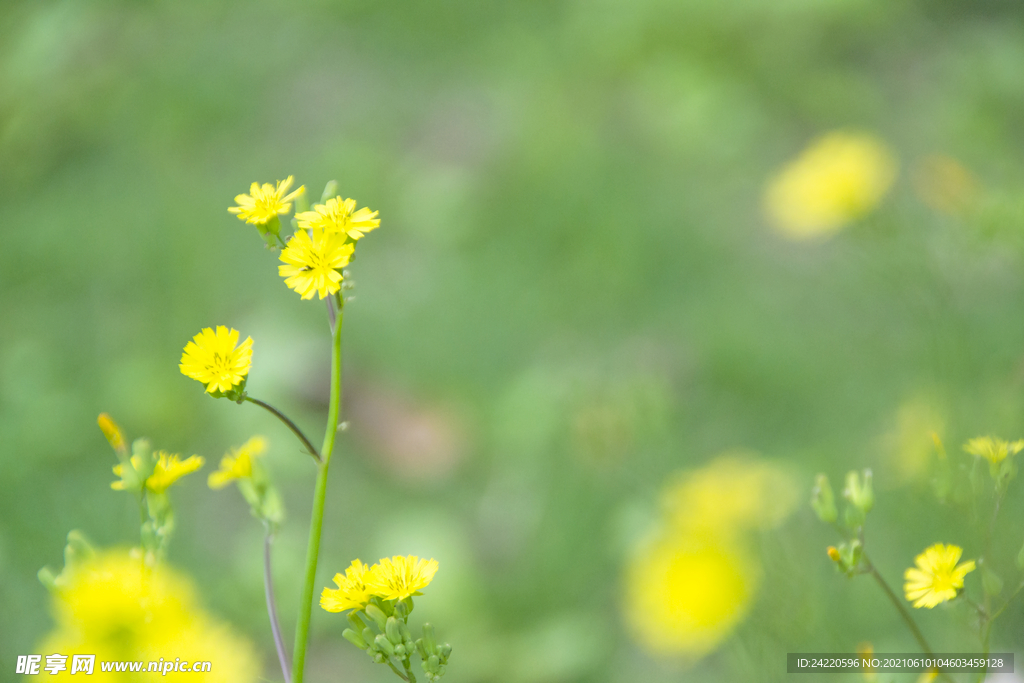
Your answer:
<point x="238" y="463"/>
<point x="216" y="359"/>
<point x="266" y="202"/>
<point x="839" y="178"/>
<point x="992" y="449"/>
<point x="937" y="577"/>
<point x="340" y="216"/>
<point x="683" y="596"/>
<point x="166" y="470"/>
<point x="396" y="578"/>
<point x="352" y="591"/>
<point x="313" y="263"/>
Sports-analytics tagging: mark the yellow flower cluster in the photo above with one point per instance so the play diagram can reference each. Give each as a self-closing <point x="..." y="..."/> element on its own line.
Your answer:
<point x="694" y="580"/>
<point x="265" y="202"/>
<point x="393" y="578"/>
<point x="937" y="576"/>
<point x="116" y="608"/>
<point x="839" y="178"/>
<point x="992" y="449"/>
<point x="166" y="470"/>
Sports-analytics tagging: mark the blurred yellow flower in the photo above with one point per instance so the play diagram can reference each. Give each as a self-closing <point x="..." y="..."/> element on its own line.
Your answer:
<point x="118" y="609"/>
<point x="238" y="463"/>
<point x="398" y="577"/>
<point x="684" y="596"/>
<point x="166" y="470"/>
<point x="265" y="202"/>
<point x="339" y="216"/>
<point x="111" y="431"/>
<point x="313" y="263"/>
<point x="216" y="359"/>
<point x="735" y="492"/>
<point x="937" y="577"/>
<point x="837" y="179"/>
<point x="912" y="442"/>
<point x="992" y="449"/>
<point x="352" y="591"/>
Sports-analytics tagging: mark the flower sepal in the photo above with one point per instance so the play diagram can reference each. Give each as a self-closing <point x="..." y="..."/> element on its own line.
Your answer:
<point x="235" y="393"/>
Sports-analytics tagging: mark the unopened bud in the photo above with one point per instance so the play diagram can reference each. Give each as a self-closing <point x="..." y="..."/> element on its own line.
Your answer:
<point x="112" y="432"/>
<point x="833" y="554"/>
<point x="392" y="631"/>
<point x="354" y="638"/>
<point x="823" y="501"/>
<point x="377" y="615"/>
<point x="384" y="645"/>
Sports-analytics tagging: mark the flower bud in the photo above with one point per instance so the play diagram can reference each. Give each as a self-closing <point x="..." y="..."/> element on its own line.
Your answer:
<point x="377" y="615"/>
<point x="369" y="637"/>
<point x="392" y="631"/>
<point x="429" y="642"/>
<point x="833" y="554"/>
<point x="384" y="645"/>
<point x="823" y="501"/>
<point x="445" y="652"/>
<point x="112" y="432"/>
<point x="354" y="638"/>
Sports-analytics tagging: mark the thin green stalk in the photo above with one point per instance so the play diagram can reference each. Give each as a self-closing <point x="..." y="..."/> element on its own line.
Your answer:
<point x="319" y="496"/>
<point x="275" y="626"/>
<point x="287" y="421"/>
<point x="397" y="671"/>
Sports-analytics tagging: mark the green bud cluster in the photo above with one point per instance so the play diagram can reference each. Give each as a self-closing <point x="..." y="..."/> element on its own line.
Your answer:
<point x="77" y="552"/>
<point x="381" y="630"/>
<point x="860" y="498"/>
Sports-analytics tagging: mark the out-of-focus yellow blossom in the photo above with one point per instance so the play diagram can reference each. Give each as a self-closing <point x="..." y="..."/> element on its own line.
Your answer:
<point x="937" y="577"/>
<point x="166" y="470"/>
<point x="733" y="493"/>
<point x="840" y="177"/>
<point x="398" y="577"/>
<point x="339" y="216"/>
<point x="352" y="591"/>
<point x="992" y="449"/>
<point x="945" y="185"/>
<point x="265" y="202"/>
<point x="867" y="651"/>
<point x="238" y="463"/>
<point x="912" y="442"/>
<point x="684" y="596"/>
<point x="113" y="433"/>
<point x="117" y="609"/>
<point x="313" y="263"/>
<point x="217" y="359"/>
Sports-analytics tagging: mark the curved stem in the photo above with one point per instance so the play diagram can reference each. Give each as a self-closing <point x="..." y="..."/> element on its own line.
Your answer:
<point x="291" y="425"/>
<point x="397" y="671"/>
<point x="319" y="496"/>
<point x="275" y="626"/>
<point x="918" y="636"/>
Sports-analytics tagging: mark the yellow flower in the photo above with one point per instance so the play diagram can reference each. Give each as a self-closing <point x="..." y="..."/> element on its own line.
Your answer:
<point x="118" y="609"/>
<point x="396" y="578"/>
<point x="265" y="202"/>
<point x="684" y="595"/>
<point x="339" y="215"/>
<point x="238" y="463"/>
<point x="734" y="493"/>
<point x="167" y="470"/>
<point x="216" y="359"/>
<point x="992" y="449"/>
<point x="839" y="178"/>
<point x="313" y="263"/>
<point x="111" y="431"/>
<point x="937" y="577"/>
<point x="352" y="591"/>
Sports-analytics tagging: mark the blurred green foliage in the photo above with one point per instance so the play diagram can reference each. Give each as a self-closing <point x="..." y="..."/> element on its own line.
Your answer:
<point x="573" y="295"/>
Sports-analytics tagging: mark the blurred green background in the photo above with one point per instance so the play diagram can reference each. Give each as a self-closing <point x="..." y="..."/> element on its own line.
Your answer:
<point x="570" y="195"/>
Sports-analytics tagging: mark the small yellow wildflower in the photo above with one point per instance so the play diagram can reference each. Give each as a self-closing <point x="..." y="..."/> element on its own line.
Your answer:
<point x="937" y="577"/>
<point x="313" y="263"/>
<point x="339" y="215"/>
<point x="396" y="578"/>
<point x="992" y="449"/>
<point x="839" y="178"/>
<point x="684" y="595"/>
<point x="265" y="202"/>
<point x="167" y="470"/>
<point x="352" y="591"/>
<point x="111" y="431"/>
<point x="216" y="359"/>
<point x="238" y="463"/>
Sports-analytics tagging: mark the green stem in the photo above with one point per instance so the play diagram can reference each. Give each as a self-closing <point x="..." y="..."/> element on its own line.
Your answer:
<point x="397" y="671"/>
<point x="288" y="422"/>
<point x="319" y="495"/>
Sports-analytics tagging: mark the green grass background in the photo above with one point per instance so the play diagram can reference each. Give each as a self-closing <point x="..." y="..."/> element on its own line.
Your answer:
<point x="571" y="225"/>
